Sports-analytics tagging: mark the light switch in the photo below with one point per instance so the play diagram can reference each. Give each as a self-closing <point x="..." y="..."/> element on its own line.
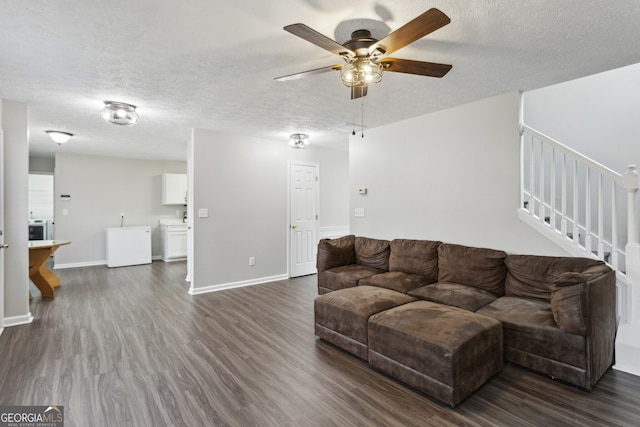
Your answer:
<point x="203" y="213"/>
<point x="359" y="212"/>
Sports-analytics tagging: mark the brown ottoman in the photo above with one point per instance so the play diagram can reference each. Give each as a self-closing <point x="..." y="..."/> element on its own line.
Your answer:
<point x="341" y="316"/>
<point x="444" y="351"/>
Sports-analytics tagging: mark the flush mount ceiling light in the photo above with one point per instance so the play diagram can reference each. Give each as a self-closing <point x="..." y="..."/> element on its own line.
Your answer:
<point x="299" y="140"/>
<point x="58" y="136"/>
<point x="120" y="113"/>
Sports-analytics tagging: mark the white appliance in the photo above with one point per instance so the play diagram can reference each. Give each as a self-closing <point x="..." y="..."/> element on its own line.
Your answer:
<point x="128" y="246"/>
<point x="173" y="234"/>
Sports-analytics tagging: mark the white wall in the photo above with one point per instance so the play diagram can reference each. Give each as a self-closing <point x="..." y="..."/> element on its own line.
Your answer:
<point x="452" y="175"/>
<point x="243" y="183"/>
<point x="16" y="169"/>
<point x="100" y="189"/>
<point x="595" y="115"/>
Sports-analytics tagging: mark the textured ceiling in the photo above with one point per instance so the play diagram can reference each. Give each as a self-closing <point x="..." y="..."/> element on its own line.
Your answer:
<point x="211" y="64"/>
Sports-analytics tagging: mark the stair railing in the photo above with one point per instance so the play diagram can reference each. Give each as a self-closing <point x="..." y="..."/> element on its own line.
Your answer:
<point x="580" y="204"/>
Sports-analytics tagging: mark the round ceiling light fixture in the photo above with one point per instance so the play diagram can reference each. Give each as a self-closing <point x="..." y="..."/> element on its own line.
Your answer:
<point x="299" y="140"/>
<point x="58" y="136"/>
<point x="120" y="113"/>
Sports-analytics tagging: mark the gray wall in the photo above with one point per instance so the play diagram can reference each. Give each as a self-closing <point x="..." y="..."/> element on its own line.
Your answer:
<point x="15" y="158"/>
<point x="101" y="188"/>
<point x="243" y="183"/>
<point x="452" y="175"/>
<point x="595" y="115"/>
<point x="43" y="165"/>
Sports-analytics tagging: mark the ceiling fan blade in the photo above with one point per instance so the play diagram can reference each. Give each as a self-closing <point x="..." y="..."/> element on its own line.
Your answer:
<point x="309" y="73"/>
<point x="420" y="68"/>
<point x="312" y="36"/>
<point x="358" y="91"/>
<point x="413" y="30"/>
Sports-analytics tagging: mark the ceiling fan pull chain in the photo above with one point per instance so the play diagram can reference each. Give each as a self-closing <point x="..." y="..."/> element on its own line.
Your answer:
<point x="362" y="123"/>
<point x="353" y="119"/>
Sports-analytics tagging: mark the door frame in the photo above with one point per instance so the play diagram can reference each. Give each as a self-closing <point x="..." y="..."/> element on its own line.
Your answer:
<point x="288" y="224"/>
<point x="1" y="226"/>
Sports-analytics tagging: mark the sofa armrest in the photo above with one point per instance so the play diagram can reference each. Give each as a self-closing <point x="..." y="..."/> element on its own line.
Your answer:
<point x="571" y="298"/>
<point x="336" y="252"/>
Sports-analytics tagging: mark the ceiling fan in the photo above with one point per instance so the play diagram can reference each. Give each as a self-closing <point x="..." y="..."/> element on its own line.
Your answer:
<point x="366" y="58"/>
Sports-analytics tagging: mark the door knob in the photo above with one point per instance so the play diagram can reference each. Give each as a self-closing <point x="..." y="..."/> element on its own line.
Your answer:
<point x="294" y="226"/>
<point x="4" y="245"/>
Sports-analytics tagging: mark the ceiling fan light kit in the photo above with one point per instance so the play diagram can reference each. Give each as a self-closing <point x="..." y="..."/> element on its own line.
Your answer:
<point x="119" y="113"/>
<point x="299" y="140"/>
<point x="366" y="57"/>
<point x="361" y="72"/>
<point x="59" y="137"/>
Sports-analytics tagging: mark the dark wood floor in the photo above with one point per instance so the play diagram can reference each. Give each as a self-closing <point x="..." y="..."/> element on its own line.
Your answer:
<point x="129" y="347"/>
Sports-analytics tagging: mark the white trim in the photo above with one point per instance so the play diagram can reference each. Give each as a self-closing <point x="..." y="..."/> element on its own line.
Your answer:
<point x="240" y="284"/>
<point x="18" y="320"/>
<point x="333" y="232"/>
<point x="96" y="263"/>
<point x="79" y="264"/>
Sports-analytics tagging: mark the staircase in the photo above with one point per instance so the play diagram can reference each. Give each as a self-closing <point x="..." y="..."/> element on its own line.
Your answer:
<point x="590" y="211"/>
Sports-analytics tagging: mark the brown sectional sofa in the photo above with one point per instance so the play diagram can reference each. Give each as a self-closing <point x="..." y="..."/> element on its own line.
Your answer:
<point x="558" y="314"/>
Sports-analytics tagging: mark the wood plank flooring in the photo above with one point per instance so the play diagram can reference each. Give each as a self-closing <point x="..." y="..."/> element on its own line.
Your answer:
<point x="129" y="347"/>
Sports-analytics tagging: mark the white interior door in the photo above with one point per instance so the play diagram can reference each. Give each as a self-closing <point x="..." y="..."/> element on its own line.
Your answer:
<point x="2" y="244"/>
<point x="304" y="218"/>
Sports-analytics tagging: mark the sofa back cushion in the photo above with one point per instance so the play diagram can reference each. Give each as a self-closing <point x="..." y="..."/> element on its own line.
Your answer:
<point x="532" y="276"/>
<point x="372" y="252"/>
<point x="336" y="252"/>
<point x="477" y="267"/>
<point x="415" y="257"/>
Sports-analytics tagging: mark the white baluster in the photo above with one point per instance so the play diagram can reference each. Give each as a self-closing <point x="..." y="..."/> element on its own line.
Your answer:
<point x="541" y="211"/>
<point x="552" y="194"/>
<point x="531" y="179"/>
<point x="563" y="224"/>
<point x="587" y="210"/>
<point x="600" y="218"/>
<point x="576" y="231"/>
<point x="614" y="227"/>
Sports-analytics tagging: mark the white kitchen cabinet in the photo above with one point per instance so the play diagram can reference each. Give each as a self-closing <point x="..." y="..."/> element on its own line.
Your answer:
<point x="174" y="242"/>
<point x="174" y="189"/>
<point x="128" y="246"/>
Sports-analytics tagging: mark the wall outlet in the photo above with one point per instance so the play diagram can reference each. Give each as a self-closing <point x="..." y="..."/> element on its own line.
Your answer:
<point x="252" y="261"/>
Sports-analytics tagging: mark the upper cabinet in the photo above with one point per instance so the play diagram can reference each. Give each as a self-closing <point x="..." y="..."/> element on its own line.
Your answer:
<point x="174" y="189"/>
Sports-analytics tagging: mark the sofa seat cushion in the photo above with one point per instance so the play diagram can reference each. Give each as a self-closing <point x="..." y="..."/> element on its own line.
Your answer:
<point x="443" y="351"/>
<point x="454" y="294"/>
<point x="346" y="276"/>
<point x="477" y="267"/>
<point x="529" y="327"/>
<point x="341" y="316"/>
<point x="396" y="280"/>
<point x="418" y="257"/>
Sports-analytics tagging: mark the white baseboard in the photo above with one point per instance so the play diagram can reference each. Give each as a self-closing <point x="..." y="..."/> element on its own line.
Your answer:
<point x="18" y="320"/>
<point x="333" y="232"/>
<point x="232" y="285"/>
<point x="94" y="263"/>
<point x="78" y="264"/>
